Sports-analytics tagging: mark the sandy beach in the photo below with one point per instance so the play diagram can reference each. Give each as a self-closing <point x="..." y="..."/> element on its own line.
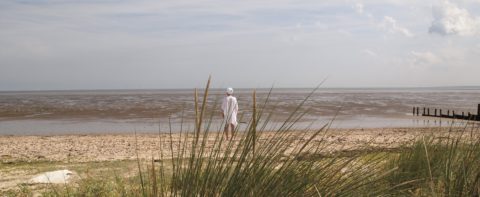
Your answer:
<point x="23" y="157"/>
<point x="105" y="147"/>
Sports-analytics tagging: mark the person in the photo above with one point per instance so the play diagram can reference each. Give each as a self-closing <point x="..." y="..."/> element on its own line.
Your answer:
<point x="229" y="112"/>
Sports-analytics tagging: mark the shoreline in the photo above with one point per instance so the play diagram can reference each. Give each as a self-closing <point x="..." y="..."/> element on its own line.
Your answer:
<point x="154" y="126"/>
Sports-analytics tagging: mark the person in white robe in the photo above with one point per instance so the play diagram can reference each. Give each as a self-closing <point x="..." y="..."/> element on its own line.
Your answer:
<point x="229" y="112"/>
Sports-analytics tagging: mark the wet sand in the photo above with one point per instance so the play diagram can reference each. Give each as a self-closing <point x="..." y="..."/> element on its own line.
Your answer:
<point x="158" y="104"/>
<point x="125" y="111"/>
<point x="108" y="147"/>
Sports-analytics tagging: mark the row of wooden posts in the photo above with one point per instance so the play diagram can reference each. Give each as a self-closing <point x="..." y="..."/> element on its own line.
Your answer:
<point x="438" y="113"/>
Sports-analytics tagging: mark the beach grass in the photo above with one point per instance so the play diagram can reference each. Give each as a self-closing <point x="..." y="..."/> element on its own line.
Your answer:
<point x="438" y="167"/>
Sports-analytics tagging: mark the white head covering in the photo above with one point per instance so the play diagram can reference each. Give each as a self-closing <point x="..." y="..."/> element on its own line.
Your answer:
<point x="229" y="90"/>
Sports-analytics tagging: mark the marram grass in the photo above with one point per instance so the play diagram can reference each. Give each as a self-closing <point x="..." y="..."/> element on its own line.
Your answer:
<point x="438" y="167"/>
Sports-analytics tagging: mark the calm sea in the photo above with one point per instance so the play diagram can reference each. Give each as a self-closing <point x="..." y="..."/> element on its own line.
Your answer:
<point x="127" y="111"/>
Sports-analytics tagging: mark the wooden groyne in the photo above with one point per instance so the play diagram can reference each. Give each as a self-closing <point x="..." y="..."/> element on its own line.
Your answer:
<point x="434" y="112"/>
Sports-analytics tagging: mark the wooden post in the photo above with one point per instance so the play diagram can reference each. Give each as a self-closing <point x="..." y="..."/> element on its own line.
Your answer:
<point x="440" y="112"/>
<point x="453" y="113"/>
<point x="478" y="112"/>
<point x="418" y="109"/>
<point x="435" y="111"/>
<point x="413" y="111"/>
<point x="428" y="111"/>
<point x="448" y="112"/>
<point x="423" y="114"/>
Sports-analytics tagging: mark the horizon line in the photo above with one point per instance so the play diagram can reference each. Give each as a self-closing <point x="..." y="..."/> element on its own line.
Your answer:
<point x="247" y="88"/>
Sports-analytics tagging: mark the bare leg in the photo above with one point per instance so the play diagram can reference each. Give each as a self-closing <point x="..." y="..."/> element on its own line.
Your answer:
<point x="225" y="130"/>
<point x="232" y="126"/>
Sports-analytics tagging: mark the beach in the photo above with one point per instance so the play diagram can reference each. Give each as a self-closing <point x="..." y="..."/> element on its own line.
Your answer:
<point x="97" y="133"/>
<point x="89" y="148"/>
<point x="335" y="98"/>
<point x="22" y="157"/>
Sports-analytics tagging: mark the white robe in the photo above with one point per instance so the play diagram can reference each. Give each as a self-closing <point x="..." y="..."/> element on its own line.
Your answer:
<point x="230" y="110"/>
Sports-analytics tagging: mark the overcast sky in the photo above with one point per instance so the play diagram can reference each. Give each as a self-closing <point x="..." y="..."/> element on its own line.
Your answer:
<point x="124" y="44"/>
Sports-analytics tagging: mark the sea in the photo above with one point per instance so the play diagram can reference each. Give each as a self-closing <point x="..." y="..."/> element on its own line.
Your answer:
<point x="173" y="110"/>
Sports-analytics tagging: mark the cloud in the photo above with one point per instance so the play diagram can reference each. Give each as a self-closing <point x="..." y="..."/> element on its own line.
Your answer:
<point x="56" y="44"/>
<point x="359" y="8"/>
<point x="448" y="19"/>
<point x="370" y="53"/>
<point x="390" y="25"/>
<point x="424" y="58"/>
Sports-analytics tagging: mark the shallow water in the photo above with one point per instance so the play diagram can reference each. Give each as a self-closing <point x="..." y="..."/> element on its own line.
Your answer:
<point x="127" y="111"/>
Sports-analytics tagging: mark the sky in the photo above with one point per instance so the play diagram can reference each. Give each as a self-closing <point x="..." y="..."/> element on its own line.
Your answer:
<point x="151" y="44"/>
